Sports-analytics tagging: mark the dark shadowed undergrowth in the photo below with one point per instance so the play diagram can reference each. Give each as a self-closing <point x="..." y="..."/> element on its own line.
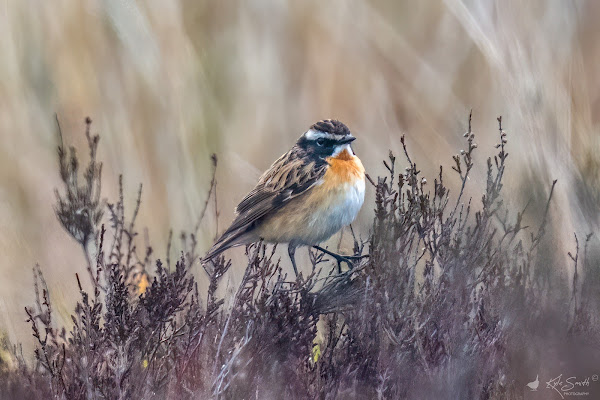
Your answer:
<point x="454" y="302"/>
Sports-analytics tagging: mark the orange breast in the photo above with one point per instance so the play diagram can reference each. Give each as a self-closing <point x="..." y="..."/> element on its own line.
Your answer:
<point x="344" y="168"/>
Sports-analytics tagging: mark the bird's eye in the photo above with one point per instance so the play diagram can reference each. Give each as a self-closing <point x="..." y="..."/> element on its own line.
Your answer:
<point x="320" y="142"/>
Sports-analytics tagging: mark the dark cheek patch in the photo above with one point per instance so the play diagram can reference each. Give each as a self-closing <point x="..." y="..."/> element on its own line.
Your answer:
<point x="329" y="143"/>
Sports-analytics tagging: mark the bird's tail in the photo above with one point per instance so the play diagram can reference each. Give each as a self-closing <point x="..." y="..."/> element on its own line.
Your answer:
<point x="227" y="241"/>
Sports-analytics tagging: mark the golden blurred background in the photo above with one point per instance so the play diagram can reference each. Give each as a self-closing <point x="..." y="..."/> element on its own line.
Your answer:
<point x="167" y="83"/>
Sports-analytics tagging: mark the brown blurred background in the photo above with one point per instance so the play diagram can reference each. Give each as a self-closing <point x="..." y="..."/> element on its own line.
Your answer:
<point x="167" y="83"/>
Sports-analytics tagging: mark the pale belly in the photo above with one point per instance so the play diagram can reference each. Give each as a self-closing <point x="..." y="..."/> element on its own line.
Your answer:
<point x="313" y="218"/>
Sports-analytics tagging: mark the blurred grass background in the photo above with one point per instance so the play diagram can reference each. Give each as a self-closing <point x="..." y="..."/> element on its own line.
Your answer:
<point x="169" y="83"/>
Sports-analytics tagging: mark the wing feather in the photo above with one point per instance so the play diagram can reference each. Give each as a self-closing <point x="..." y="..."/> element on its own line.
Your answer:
<point x="289" y="177"/>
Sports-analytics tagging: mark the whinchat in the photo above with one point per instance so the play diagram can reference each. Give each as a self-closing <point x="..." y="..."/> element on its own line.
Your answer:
<point x="306" y="196"/>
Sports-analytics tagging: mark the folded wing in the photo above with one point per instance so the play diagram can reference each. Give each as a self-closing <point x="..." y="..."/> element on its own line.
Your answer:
<point x="289" y="177"/>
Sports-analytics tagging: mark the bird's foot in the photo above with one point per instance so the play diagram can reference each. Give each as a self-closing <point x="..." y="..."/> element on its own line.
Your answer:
<point x="349" y="260"/>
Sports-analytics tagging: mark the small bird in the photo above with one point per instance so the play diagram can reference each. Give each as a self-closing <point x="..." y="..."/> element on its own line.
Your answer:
<point x="534" y="385"/>
<point x="306" y="196"/>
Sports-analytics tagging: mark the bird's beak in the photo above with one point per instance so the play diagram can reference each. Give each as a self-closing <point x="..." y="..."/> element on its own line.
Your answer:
<point x="349" y="139"/>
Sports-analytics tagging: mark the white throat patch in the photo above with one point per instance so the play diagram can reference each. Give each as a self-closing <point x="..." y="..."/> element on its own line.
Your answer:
<point x="340" y="148"/>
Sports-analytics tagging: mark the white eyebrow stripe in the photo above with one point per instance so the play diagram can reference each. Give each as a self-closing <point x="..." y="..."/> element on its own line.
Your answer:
<point x="312" y="134"/>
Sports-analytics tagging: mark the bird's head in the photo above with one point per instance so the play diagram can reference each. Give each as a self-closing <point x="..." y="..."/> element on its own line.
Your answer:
<point x="327" y="138"/>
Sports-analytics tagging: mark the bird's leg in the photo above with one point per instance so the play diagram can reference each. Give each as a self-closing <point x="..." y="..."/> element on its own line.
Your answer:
<point x="340" y="258"/>
<point x="291" y="253"/>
